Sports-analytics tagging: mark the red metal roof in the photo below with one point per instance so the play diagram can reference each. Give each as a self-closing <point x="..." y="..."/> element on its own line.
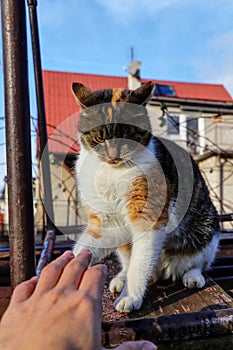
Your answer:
<point x="61" y="106"/>
<point x="197" y="91"/>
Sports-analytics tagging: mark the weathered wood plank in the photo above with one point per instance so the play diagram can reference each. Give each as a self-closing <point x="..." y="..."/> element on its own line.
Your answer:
<point x="167" y="298"/>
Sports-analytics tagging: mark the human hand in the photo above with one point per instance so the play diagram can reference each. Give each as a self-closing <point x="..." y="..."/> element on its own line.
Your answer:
<point x="62" y="310"/>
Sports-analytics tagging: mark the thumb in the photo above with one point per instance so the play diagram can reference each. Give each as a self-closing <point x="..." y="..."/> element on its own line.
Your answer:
<point x="137" y="345"/>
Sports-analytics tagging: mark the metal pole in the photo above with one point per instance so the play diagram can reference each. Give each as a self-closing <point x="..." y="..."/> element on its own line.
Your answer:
<point x="49" y="241"/>
<point x="44" y="154"/>
<point x="18" y="144"/>
<point x="221" y="189"/>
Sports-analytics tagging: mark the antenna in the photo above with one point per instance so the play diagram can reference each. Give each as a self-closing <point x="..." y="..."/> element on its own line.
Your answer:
<point x="132" y="53"/>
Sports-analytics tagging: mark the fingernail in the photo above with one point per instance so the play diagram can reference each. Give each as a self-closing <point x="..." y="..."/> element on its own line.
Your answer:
<point x="148" y="346"/>
<point x="34" y="279"/>
<point x="68" y="253"/>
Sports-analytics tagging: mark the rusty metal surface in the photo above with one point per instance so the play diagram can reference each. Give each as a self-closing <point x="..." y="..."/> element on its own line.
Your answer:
<point x="18" y="145"/>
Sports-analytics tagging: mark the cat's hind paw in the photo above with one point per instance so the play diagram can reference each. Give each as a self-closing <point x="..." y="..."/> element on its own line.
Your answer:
<point x="193" y="279"/>
<point x="127" y="304"/>
<point x="117" y="284"/>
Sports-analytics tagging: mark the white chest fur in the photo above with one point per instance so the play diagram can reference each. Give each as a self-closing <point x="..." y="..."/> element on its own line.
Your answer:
<point x="103" y="187"/>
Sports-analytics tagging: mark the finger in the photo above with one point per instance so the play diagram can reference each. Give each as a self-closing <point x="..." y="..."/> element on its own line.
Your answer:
<point x="73" y="272"/>
<point x="91" y="287"/>
<point x="92" y="283"/>
<point x="52" y="272"/>
<point x="137" y="345"/>
<point x="24" y="290"/>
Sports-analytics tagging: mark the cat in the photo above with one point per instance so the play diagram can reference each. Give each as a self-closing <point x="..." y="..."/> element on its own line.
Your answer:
<point x="144" y="196"/>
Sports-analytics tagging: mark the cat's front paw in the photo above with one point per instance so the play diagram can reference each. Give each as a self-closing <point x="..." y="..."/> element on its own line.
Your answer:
<point x="193" y="279"/>
<point x="127" y="304"/>
<point x="116" y="284"/>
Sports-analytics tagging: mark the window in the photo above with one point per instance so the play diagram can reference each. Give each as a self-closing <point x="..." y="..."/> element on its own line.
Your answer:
<point x="173" y="125"/>
<point x="164" y="90"/>
<point x="192" y="133"/>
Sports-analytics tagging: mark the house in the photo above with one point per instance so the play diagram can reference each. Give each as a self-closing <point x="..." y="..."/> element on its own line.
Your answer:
<point x="4" y="209"/>
<point x="199" y="117"/>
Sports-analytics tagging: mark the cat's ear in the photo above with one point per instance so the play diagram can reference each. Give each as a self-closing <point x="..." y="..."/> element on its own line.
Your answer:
<point x="82" y="94"/>
<point x="142" y="94"/>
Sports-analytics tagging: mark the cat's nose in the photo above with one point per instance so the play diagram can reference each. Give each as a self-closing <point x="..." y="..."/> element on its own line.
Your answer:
<point x="114" y="160"/>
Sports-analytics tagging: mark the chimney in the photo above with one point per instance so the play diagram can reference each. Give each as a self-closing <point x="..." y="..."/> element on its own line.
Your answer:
<point x="134" y="75"/>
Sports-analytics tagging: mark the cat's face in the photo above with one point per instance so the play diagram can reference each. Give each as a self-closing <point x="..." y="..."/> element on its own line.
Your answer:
<point x="114" y="122"/>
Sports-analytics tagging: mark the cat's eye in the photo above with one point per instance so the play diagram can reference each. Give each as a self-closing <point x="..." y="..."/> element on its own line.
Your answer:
<point x="98" y="139"/>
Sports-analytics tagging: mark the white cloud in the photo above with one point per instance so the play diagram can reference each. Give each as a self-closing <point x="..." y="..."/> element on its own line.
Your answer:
<point x="216" y="64"/>
<point x="124" y="11"/>
<point x="189" y="38"/>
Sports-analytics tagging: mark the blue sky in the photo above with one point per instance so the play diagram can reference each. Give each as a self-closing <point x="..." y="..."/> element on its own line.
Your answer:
<point x="182" y="40"/>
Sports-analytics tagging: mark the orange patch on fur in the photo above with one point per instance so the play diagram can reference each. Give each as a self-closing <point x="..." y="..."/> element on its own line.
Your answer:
<point x="109" y="113"/>
<point x="151" y="281"/>
<point x="138" y="197"/>
<point x="148" y="211"/>
<point x="94" y="227"/>
<point x="116" y="95"/>
<point x="125" y="248"/>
